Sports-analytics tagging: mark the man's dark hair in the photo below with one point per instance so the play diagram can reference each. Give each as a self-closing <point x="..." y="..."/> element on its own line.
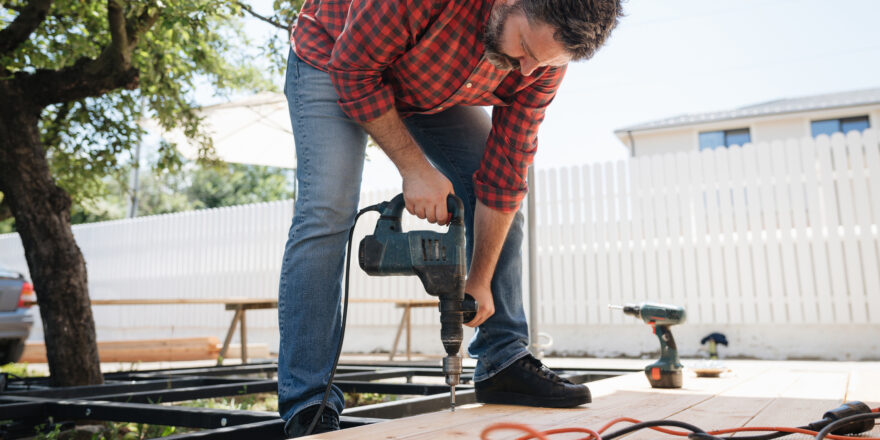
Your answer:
<point x="582" y="26"/>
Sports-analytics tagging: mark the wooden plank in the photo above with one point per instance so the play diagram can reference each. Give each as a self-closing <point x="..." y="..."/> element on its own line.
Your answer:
<point x="864" y="383"/>
<point x="631" y="396"/>
<point x="149" y="350"/>
<point x="733" y="406"/>
<point x="755" y="394"/>
<point x="804" y="401"/>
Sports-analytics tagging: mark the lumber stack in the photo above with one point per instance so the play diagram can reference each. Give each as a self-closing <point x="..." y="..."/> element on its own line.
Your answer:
<point x="148" y="350"/>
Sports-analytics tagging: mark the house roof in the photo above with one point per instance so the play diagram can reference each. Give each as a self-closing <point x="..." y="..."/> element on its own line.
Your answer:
<point x="788" y="105"/>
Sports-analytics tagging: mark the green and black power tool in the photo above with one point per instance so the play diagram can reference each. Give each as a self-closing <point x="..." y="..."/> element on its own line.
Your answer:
<point x="666" y="372"/>
<point x="438" y="259"/>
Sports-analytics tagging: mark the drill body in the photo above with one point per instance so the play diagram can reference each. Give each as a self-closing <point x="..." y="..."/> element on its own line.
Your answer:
<point x="666" y="372"/>
<point x="438" y="259"/>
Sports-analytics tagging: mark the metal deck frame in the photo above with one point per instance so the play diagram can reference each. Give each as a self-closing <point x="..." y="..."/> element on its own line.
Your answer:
<point x="139" y="397"/>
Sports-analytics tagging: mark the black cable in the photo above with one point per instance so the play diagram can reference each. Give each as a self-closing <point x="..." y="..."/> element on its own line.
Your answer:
<point x="376" y="207"/>
<point x="837" y="423"/>
<point x="775" y="434"/>
<point x="652" y="423"/>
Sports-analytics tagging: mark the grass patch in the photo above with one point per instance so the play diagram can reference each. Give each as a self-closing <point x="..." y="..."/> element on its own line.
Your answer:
<point x="20" y="370"/>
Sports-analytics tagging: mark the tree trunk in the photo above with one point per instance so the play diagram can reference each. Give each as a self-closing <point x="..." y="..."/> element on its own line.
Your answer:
<point x="42" y="218"/>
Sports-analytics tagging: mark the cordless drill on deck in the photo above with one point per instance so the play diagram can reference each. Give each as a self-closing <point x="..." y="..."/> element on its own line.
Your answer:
<point x="438" y="259"/>
<point x="666" y="372"/>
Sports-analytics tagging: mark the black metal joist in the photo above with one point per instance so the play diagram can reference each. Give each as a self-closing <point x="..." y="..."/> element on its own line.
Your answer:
<point x="143" y="397"/>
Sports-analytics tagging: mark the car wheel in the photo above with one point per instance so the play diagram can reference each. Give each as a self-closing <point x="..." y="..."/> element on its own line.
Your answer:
<point x="10" y="351"/>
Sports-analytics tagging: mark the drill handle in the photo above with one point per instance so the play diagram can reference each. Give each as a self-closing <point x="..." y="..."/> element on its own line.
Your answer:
<point x="668" y="349"/>
<point x="394" y="209"/>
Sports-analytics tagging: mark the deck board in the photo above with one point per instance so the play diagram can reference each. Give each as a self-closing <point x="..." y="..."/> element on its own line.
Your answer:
<point x="755" y="393"/>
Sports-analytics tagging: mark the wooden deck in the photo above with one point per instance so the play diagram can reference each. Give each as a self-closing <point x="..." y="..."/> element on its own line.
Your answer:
<point x="754" y="393"/>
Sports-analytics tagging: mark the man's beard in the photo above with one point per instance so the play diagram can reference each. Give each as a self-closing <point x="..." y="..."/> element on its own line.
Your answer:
<point x="492" y="36"/>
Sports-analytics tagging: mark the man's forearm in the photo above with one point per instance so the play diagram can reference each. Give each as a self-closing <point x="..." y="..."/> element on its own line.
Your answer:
<point x="424" y="188"/>
<point x="394" y="139"/>
<point x="490" y="231"/>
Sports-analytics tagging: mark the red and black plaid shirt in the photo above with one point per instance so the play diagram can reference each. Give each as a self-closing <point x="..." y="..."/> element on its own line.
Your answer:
<point x="423" y="56"/>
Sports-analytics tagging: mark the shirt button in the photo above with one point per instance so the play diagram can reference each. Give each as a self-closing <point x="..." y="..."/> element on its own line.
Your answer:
<point x="440" y="108"/>
<point x="469" y="85"/>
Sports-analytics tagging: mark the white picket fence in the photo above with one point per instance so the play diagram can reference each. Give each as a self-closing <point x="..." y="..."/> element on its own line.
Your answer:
<point x="774" y="244"/>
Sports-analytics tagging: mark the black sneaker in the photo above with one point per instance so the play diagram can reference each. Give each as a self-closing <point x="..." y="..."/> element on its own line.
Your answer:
<point x="528" y="382"/>
<point x="298" y="426"/>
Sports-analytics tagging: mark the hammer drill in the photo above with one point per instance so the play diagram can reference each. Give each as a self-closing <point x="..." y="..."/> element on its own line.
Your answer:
<point x="666" y="372"/>
<point x="438" y="260"/>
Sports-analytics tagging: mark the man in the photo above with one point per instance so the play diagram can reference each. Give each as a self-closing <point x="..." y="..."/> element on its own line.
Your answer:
<point x="412" y="73"/>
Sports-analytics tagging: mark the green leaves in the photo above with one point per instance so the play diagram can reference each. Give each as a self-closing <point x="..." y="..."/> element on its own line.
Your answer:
<point x="90" y="142"/>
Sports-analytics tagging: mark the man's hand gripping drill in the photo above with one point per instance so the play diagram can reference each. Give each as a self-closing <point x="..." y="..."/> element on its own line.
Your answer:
<point x="438" y="260"/>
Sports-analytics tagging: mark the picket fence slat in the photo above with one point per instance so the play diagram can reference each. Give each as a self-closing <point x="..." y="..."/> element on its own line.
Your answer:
<point x="852" y="259"/>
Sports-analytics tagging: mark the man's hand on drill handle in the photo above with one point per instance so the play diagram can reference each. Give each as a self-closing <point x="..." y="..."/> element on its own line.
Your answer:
<point x="425" y="191"/>
<point x="485" y="305"/>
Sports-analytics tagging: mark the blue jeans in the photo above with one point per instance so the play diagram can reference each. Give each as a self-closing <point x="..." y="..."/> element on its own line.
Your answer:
<point x="330" y="158"/>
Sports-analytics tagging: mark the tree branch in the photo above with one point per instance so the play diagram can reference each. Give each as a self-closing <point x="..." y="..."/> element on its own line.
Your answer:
<point x="118" y="47"/>
<point x="21" y="28"/>
<point x="251" y="11"/>
<point x="92" y="77"/>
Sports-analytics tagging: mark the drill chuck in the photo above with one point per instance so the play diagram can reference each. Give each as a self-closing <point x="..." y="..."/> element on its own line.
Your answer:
<point x="452" y="369"/>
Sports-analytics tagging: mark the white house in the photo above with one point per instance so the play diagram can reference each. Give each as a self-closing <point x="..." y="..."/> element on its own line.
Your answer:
<point x="764" y="122"/>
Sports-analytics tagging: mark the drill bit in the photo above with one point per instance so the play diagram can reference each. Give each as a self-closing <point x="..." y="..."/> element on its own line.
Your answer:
<point x="452" y="398"/>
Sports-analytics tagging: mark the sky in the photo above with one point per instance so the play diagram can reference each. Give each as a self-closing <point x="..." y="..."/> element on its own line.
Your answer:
<point x="673" y="57"/>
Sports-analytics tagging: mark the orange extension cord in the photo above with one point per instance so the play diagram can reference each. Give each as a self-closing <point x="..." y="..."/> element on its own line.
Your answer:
<point x="532" y="433"/>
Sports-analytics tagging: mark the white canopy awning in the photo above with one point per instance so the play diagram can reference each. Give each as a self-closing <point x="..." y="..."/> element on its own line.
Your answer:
<point x="254" y="130"/>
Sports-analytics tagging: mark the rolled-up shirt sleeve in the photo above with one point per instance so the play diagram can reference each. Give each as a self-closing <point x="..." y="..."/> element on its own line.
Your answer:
<point x="500" y="182"/>
<point x="376" y="33"/>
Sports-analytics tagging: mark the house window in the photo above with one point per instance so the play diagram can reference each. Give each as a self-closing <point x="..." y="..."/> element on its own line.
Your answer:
<point x="842" y="125"/>
<point x="724" y="138"/>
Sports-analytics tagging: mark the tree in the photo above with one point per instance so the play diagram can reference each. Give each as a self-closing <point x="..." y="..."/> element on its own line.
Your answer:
<point x="75" y="78"/>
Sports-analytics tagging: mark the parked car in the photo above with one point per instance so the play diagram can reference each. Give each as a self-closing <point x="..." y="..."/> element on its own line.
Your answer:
<point x="16" y="292"/>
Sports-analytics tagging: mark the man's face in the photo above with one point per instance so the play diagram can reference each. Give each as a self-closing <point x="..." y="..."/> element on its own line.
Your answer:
<point x="514" y="43"/>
